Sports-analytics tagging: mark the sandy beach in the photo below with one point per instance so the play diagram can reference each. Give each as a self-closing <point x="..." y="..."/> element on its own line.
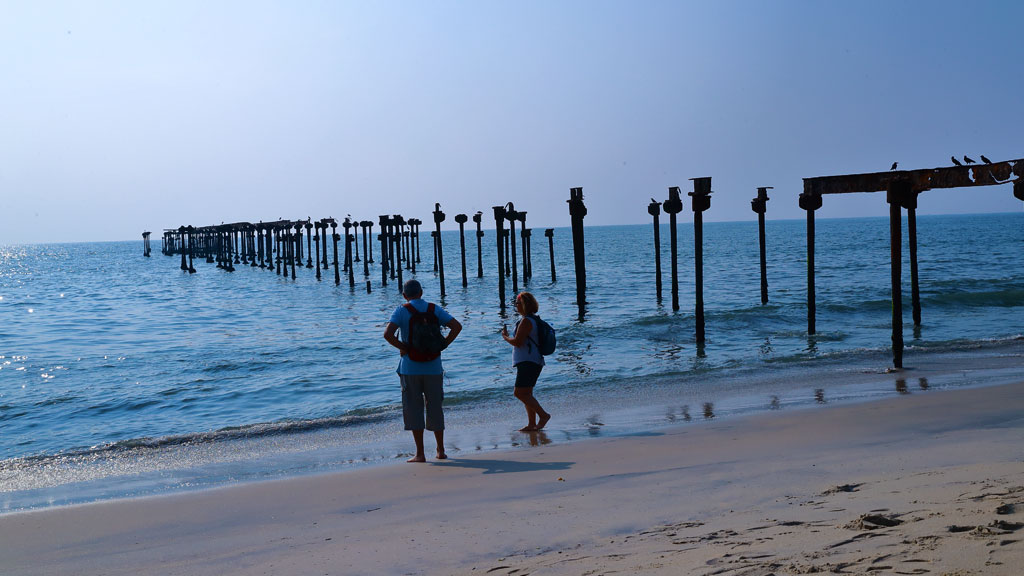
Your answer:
<point x="925" y="483"/>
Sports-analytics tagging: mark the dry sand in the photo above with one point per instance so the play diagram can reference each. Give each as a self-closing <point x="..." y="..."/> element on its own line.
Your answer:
<point x="926" y="483"/>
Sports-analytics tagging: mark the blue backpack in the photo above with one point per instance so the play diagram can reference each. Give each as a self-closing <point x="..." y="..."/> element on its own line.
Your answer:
<point x="546" y="339"/>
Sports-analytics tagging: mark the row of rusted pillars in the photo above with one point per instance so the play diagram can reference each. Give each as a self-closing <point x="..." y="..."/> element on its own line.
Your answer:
<point x="255" y="244"/>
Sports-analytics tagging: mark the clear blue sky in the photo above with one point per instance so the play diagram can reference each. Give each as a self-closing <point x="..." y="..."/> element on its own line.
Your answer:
<point x="118" y="117"/>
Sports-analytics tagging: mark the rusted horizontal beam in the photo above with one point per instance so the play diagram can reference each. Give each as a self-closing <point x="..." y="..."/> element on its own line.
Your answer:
<point x="920" y="180"/>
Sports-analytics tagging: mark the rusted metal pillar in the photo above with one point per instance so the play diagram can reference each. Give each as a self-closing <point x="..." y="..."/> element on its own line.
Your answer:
<point x="335" y="237"/>
<point x="462" y="219"/>
<point x="577" y="210"/>
<point x="325" y="223"/>
<point x="347" y="225"/>
<point x="511" y="215"/>
<point x="700" y="201"/>
<point x="145" y="244"/>
<point x="673" y="206"/>
<point x="355" y="240"/>
<point x="521" y="216"/>
<point x="397" y="222"/>
<point x="181" y="235"/>
<point x="316" y="241"/>
<point x="407" y="242"/>
<point x="438" y="218"/>
<point x="508" y="269"/>
<point x="268" y="237"/>
<point x="895" y="196"/>
<point x="909" y="201"/>
<point x="499" y="235"/>
<point x="527" y="254"/>
<point x="810" y="202"/>
<point x="478" y="219"/>
<point x="383" y="237"/>
<point x="309" y="243"/>
<point x="279" y="241"/>
<point x="366" y="248"/>
<point x="294" y="241"/>
<point x="433" y="243"/>
<point x="760" y="206"/>
<point x="550" y="234"/>
<point x="349" y="244"/>
<point x="191" y="249"/>
<point x="414" y="225"/>
<point x="654" y="209"/>
<point x="416" y="239"/>
<point x="369" y="226"/>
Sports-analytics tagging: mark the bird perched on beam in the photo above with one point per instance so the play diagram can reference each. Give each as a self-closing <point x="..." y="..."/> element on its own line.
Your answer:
<point x="968" y="160"/>
<point x="894" y="165"/>
<point x="955" y="161"/>
<point x="985" y="160"/>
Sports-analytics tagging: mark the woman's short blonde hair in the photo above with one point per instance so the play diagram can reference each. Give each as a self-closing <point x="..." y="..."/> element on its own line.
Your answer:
<point x="529" y="302"/>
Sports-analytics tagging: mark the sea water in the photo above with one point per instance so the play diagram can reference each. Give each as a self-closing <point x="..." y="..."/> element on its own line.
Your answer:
<point x="122" y="375"/>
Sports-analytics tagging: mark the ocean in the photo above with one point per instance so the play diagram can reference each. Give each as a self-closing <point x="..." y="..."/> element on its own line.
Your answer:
<point x="121" y="375"/>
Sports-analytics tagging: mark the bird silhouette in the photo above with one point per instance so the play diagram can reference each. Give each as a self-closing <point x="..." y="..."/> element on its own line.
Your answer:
<point x="894" y="165"/>
<point x="968" y="160"/>
<point x="985" y="160"/>
<point x="955" y="161"/>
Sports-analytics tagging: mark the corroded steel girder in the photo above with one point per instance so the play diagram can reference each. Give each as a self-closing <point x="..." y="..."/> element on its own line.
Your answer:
<point x="920" y="180"/>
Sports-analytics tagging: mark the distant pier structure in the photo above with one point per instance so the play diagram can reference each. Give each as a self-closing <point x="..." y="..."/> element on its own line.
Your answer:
<point x="286" y="246"/>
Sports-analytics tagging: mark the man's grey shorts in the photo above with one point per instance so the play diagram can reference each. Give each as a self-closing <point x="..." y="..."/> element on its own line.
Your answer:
<point x="415" y="389"/>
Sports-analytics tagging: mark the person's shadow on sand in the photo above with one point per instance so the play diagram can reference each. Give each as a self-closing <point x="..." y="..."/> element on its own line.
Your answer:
<point x="505" y="466"/>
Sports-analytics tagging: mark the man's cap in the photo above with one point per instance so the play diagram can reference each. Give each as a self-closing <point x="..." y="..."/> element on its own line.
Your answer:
<point x="412" y="288"/>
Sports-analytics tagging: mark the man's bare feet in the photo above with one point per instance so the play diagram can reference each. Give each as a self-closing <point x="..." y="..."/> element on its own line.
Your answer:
<point x="543" y="420"/>
<point x="528" y="429"/>
<point x="442" y="456"/>
<point x="418" y="458"/>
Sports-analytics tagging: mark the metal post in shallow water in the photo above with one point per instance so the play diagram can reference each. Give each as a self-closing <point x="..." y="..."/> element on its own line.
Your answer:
<point x="504" y="237"/>
<point x="309" y="243"/>
<point x="810" y="202"/>
<point x="654" y="209"/>
<point x="181" y="237"/>
<point x="577" y="210"/>
<point x="382" y="236"/>
<point x="347" y="225"/>
<point x="499" y="235"/>
<point x="700" y="201"/>
<point x="527" y="254"/>
<point x="191" y="248"/>
<point x="760" y="205"/>
<point x="397" y="222"/>
<point x="673" y="206"/>
<point x="909" y="201"/>
<point x="511" y="215"/>
<point x="414" y="236"/>
<point x="316" y="241"/>
<point x="895" y="196"/>
<point x="438" y="218"/>
<point x="478" y="219"/>
<point x="462" y="219"/>
<point x="366" y="247"/>
<point x="550" y="234"/>
<point x="335" y="237"/>
<point x="524" y="236"/>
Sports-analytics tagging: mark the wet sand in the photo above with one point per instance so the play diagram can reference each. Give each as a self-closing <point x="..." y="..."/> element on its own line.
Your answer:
<point x="924" y="483"/>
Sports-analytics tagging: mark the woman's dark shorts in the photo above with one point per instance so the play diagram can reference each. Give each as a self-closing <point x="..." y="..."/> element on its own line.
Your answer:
<point x="527" y="374"/>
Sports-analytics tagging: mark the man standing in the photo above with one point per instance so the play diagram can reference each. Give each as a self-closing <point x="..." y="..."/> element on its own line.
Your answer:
<point x="420" y="370"/>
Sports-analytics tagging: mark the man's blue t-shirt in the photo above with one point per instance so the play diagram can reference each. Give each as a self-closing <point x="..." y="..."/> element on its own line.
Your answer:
<point x="400" y="318"/>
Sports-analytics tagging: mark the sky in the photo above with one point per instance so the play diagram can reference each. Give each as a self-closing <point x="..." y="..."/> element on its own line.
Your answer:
<point x="122" y="116"/>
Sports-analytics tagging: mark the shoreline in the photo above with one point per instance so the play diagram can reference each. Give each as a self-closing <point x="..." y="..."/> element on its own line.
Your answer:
<point x="635" y="407"/>
<point x="672" y="498"/>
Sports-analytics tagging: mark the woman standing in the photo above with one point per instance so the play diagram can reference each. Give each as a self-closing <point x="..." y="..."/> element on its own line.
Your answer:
<point x="528" y="360"/>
